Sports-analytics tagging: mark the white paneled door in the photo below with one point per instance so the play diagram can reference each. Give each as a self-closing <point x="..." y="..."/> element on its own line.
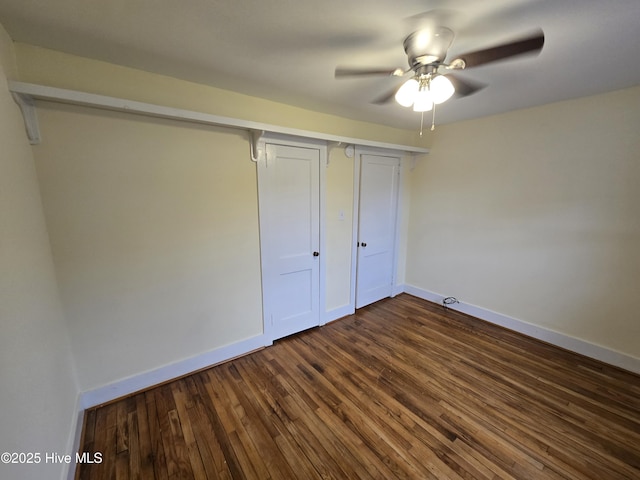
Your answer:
<point x="379" y="180"/>
<point x="289" y="190"/>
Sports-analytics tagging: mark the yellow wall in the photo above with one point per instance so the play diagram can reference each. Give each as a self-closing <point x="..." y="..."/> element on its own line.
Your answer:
<point x="535" y="214"/>
<point x="154" y="231"/>
<point x="38" y="392"/>
<point x="339" y="235"/>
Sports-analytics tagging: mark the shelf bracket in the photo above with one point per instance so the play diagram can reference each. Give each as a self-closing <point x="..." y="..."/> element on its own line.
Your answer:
<point x="28" y="109"/>
<point x="413" y="162"/>
<point x="349" y="148"/>
<point x="256" y="143"/>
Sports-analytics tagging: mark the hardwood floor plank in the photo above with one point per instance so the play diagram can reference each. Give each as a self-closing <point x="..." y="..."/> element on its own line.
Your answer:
<point x="175" y="449"/>
<point x="511" y="383"/>
<point x="276" y="410"/>
<point x="172" y="441"/>
<point x="105" y="443"/>
<point x="144" y="445"/>
<point x="155" y="434"/>
<point x="89" y="426"/>
<point x="122" y="428"/>
<point x="370" y="434"/>
<point x="402" y="389"/>
<point x="423" y="426"/>
<point x="246" y="433"/>
<point x="208" y="446"/>
<point x="135" y="457"/>
<point x="182" y="402"/>
<point x="261" y="429"/>
<point x="211" y="405"/>
<point x="122" y="465"/>
<point x="319" y="451"/>
<point x="380" y="411"/>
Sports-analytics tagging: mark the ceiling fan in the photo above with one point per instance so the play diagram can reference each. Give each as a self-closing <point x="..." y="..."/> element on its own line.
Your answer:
<point x="431" y="79"/>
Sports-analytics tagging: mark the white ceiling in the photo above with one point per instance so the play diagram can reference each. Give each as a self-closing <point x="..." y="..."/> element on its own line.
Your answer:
<point x="287" y="50"/>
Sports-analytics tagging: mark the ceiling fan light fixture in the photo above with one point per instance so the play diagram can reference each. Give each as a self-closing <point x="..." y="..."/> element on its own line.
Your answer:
<point x="407" y="92"/>
<point x="441" y="89"/>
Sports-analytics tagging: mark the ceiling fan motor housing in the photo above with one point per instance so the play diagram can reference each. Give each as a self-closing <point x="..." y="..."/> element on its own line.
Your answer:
<point x="428" y="46"/>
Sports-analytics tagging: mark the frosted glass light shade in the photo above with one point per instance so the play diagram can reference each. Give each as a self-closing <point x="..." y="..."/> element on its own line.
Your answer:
<point x="441" y="89"/>
<point x="407" y="92"/>
<point x="423" y="101"/>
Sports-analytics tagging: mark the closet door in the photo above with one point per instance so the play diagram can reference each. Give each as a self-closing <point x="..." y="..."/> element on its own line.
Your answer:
<point x="289" y="188"/>
<point x="379" y="181"/>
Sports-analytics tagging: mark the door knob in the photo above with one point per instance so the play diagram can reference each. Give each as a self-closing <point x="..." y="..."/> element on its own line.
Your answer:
<point x="316" y="254"/>
<point x="363" y="244"/>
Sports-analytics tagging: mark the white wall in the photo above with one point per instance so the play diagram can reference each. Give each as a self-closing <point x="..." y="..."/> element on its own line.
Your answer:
<point x="534" y="214"/>
<point x="38" y="390"/>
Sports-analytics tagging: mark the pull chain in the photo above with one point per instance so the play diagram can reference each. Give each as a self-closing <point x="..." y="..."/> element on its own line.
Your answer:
<point x="433" y="118"/>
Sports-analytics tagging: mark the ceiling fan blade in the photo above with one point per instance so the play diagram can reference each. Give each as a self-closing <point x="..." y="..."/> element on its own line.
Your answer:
<point x="386" y="97"/>
<point x="464" y="87"/>
<point x="361" y="71"/>
<point x="530" y="44"/>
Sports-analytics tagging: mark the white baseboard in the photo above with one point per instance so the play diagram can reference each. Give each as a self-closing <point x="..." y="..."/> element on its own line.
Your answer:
<point x="148" y="379"/>
<point x="339" y="312"/>
<point x="562" y="340"/>
<point x="397" y="290"/>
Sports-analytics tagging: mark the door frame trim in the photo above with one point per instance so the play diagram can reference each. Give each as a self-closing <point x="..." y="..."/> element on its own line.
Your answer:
<point x="321" y="146"/>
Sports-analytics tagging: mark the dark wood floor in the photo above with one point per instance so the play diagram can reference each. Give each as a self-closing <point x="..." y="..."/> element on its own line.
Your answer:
<point x="402" y="389"/>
